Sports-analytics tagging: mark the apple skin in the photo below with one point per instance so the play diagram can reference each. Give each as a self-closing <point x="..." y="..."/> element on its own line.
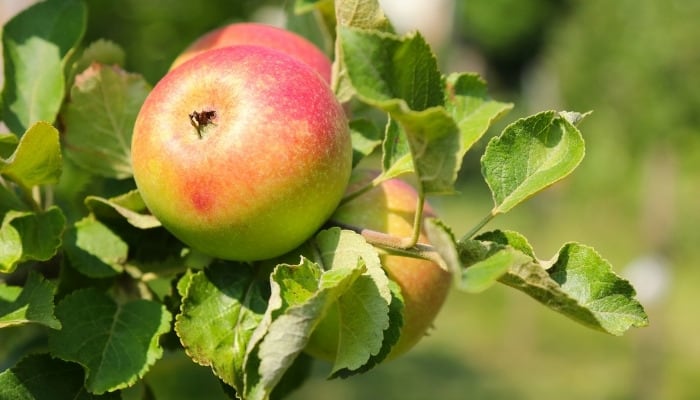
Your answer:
<point x="389" y="208"/>
<point x="256" y="34"/>
<point x="268" y="169"/>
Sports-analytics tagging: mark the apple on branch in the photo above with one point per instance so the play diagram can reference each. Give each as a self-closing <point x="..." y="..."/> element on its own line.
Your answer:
<point x="242" y="152"/>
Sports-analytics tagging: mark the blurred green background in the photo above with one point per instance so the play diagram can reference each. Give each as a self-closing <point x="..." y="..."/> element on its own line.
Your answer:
<point x="636" y="65"/>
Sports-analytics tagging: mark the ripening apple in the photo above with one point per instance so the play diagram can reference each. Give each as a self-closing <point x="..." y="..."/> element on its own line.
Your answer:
<point x="241" y="152"/>
<point x="390" y="208"/>
<point x="257" y="34"/>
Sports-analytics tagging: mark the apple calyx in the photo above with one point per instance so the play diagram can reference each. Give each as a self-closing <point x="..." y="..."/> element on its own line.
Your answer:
<point x="200" y="119"/>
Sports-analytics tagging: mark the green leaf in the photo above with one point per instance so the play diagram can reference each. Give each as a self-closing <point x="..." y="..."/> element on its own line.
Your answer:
<point x="32" y="304"/>
<point x="391" y="335"/>
<point x="361" y="14"/>
<point x="391" y="72"/>
<point x="284" y="333"/>
<point x="116" y="343"/>
<point x="365" y="139"/>
<point x="100" y="118"/>
<point x="468" y="102"/>
<point x="530" y="155"/>
<point x="577" y="283"/>
<point x="26" y="235"/>
<point x="396" y="152"/>
<point x="41" y="377"/>
<point x="364" y="307"/>
<point x="483" y="263"/>
<point x="94" y="250"/>
<point x="37" y="158"/>
<point x="399" y="75"/>
<point x="36" y="42"/>
<point x="221" y="307"/>
<point x="129" y="205"/>
<point x="365" y="14"/>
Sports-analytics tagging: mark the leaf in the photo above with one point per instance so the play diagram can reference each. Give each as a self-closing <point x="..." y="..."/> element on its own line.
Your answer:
<point x="391" y="335"/>
<point x="10" y="201"/>
<point x="116" y="343"/>
<point x="37" y="158"/>
<point x="365" y="14"/>
<point x="279" y="340"/>
<point x="578" y="283"/>
<point x="25" y="235"/>
<point x="46" y="31"/>
<point x="483" y="263"/>
<point x="41" y="377"/>
<point x="396" y="152"/>
<point x="361" y="14"/>
<point x="467" y="100"/>
<point x="32" y="304"/>
<point x="129" y="205"/>
<point x="94" y="250"/>
<point x="530" y="155"/>
<point x="363" y="310"/>
<point x="221" y="307"/>
<point x="399" y="75"/>
<point x="443" y="241"/>
<point x="100" y="118"/>
<point x="391" y="72"/>
<point x="365" y="139"/>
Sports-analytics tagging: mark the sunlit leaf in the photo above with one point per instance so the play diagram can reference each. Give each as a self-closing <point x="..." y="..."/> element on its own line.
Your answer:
<point x="94" y="249"/>
<point x="285" y="336"/>
<point x="37" y="158"/>
<point x="36" y="43"/>
<point x="577" y="283"/>
<point x="221" y="307"/>
<point x="130" y="206"/>
<point x="364" y="307"/>
<point x="399" y="75"/>
<point x="468" y="101"/>
<point x="116" y="343"/>
<point x="99" y="119"/>
<point x="530" y="155"/>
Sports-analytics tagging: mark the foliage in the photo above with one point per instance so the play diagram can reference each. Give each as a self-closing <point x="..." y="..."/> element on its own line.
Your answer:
<point x="112" y="289"/>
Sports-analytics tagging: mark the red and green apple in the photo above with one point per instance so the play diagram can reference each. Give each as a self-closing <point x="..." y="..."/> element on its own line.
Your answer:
<point x="241" y="152"/>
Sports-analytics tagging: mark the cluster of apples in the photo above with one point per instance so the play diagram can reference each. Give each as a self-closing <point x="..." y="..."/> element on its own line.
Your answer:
<point x="243" y="152"/>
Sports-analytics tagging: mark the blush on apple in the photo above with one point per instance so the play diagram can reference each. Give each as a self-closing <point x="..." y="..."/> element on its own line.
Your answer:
<point x="241" y="152"/>
<point x="390" y="208"/>
<point x="257" y="34"/>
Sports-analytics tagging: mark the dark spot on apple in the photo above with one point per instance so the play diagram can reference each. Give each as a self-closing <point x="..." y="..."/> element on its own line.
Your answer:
<point x="200" y="119"/>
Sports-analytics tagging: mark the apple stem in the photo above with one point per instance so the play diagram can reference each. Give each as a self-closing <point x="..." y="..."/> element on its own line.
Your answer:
<point x="417" y="221"/>
<point x="200" y="119"/>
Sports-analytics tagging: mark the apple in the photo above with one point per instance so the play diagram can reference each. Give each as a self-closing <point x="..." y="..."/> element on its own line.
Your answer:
<point x="241" y="152"/>
<point x="390" y="208"/>
<point x="257" y="34"/>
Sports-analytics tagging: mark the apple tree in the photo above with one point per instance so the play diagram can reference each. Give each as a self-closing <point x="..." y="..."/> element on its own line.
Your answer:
<point x="95" y="291"/>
